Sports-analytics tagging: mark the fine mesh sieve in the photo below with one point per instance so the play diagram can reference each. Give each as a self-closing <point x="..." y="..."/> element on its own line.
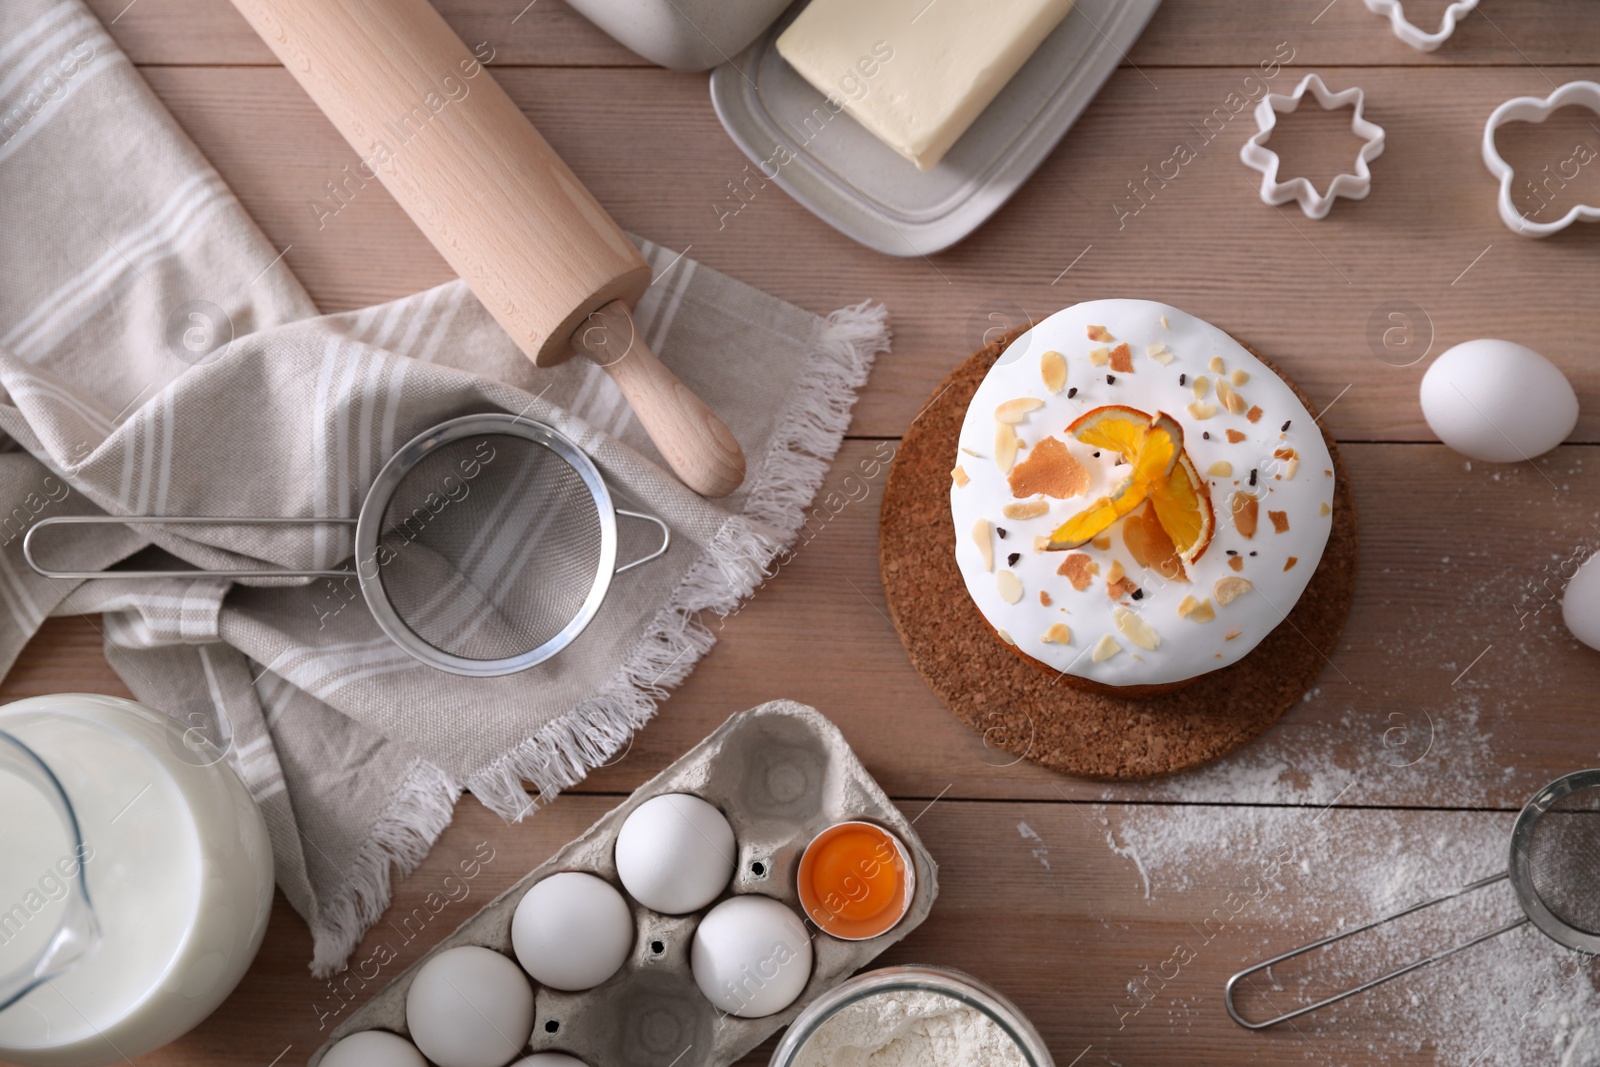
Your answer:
<point x="483" y="547"/>
<point x="1554" y="869"/>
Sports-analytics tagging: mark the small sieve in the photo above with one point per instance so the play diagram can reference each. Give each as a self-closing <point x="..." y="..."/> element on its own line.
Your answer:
<point x="484" y="546"/>
<point x="1554" y="870"/>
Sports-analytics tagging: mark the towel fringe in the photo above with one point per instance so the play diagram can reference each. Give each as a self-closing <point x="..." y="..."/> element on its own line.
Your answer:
<point x="418" y="813"/>
<point x="741" y="556"/>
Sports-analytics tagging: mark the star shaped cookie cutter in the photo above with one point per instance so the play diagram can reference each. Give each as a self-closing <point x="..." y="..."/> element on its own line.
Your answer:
<point x="1533" y="109"/>
<point x="1411" y="34"/>
<point x="1352" y="186"/>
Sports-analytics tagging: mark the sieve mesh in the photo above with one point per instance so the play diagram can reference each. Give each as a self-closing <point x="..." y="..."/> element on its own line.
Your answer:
<point x="1563" y="857"/>
<point x="488" y="546"/>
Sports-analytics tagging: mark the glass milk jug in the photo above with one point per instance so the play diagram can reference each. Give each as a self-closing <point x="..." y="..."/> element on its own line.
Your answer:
<point x="135" y="880"/>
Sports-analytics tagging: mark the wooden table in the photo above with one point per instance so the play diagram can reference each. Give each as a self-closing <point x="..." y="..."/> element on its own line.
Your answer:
<point x="1455" y="692"/>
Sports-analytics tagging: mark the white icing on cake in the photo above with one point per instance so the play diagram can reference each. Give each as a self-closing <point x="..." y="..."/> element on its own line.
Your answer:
<point x="1300" y="489"/>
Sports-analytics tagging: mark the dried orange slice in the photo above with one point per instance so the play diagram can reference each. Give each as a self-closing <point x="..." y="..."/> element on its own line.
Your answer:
<point x="1098" y="517"/>
<point x="1163" y="444"/>
<point x="1154" y="460"/>
<point x="1116" y="427"/>
<point x="1183" y="506"/>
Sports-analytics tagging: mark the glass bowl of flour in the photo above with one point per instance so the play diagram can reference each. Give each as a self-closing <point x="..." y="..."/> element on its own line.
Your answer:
<point x="912" y="1015"/>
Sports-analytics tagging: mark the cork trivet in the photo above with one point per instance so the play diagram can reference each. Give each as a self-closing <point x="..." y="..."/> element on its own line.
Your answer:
<point x="1039" y="716"/>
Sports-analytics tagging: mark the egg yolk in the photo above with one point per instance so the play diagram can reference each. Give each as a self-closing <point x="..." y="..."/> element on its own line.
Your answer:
<point x="855" y="876"/>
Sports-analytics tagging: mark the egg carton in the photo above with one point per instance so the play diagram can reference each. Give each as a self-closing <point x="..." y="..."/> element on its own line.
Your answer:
<point x="782" y="774"/>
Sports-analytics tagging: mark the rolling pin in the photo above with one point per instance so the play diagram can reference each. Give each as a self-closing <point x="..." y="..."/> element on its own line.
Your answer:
<point x="496" y="201"/>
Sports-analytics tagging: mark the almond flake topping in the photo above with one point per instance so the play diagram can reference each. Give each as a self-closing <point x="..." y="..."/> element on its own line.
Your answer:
<point x="1135" y="629"/>
<point x="1202" y="410"/>
<point x="1028" y="509"/>
<point x="1058" y="634"/>
<point x="1230" y="399"/>
<point x="1005" y="446"/>
<point x="1014" y="411"/>
<point x="1216" y="365"/>
<point x="1009" y="585"/>
<point x="1099" y="357"/>
<point x="980" y="534"/>
<point x="1220" y="469"/>
<point x="1201" y="385"/>
<point x="1239" y="377"/>
<point x="1105" y="648"/>
<point x="1230" y="589"/>
<point x="1100" y="333"/>
<point x="1053" y="369"/>
<point x="1196" y="610"/>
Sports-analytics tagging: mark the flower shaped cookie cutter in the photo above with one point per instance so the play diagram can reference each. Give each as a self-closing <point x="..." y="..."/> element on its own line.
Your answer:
<point x="1353" y="186"/>
<point x="1409" y="33"/>
<point x="1533" y="109"/>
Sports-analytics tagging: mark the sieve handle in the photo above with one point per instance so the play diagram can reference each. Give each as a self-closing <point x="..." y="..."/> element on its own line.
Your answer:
<point x="176" y="520"/>
<point x="666" y="540"/>
<point x="1232" y="984"/>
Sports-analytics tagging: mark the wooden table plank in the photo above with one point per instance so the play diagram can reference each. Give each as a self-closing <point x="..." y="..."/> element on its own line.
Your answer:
<point x="189" y="32"/>
<point x="1455" y="686"/>
<point x="1314" y="296"/>
<point x="1063" y="907"/>
<point x="1182" y="33"/>
<point x="1462" y="681"/>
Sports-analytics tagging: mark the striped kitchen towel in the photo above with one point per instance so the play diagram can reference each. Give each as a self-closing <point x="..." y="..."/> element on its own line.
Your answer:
<point x="158" y="357"/>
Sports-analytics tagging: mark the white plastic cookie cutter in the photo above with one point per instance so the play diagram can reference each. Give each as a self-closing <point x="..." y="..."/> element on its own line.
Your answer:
<point x="1353" y="186"/>
<point x="1533" y="109"/>
<point x="1414" y="36"/>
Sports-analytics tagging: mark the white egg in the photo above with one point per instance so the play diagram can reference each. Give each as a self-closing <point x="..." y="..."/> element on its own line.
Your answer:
<point x="470" y="1007"/>
<point x="374" y="1048"/>
<point x="675" y="853"/>
<point x="572" y="931"/>
<point x="1580" y="604"/>
<point x="1498" y="401"/>
<point x="751" y="956"/>
<point x="550" y="1059"/>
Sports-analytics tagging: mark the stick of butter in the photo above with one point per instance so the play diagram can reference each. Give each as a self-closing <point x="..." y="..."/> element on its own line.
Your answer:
<point x="916" y="73"/>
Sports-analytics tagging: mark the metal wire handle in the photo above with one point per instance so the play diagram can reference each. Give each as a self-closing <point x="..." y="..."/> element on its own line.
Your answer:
<point x="1228" y="989"/>
<point x="248" y="520"/>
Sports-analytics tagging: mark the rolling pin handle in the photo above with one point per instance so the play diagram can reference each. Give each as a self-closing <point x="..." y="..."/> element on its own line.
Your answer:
<point x="697" y="445"/>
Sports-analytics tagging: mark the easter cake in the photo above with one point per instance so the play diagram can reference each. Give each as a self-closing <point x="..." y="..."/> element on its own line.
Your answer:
<point x="1137" y="499"/>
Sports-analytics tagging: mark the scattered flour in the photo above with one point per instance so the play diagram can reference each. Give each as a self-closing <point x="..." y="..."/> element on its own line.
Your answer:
<point x="1225" y="875"/>
<point x="909" y="1029"/>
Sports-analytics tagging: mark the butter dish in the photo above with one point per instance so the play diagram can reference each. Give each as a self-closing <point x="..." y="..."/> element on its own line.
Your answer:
<point x="844" y="175"/>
